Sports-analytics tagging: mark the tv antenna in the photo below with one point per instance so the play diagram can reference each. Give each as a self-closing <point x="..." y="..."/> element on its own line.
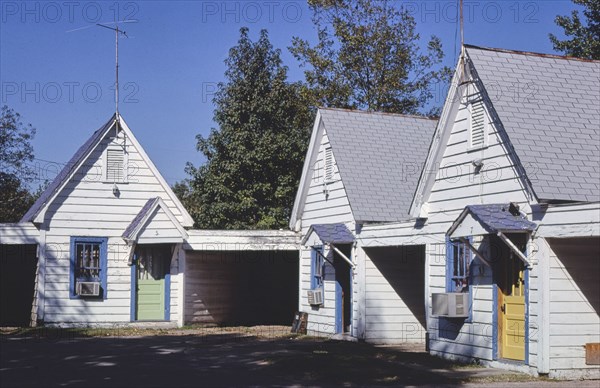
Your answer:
<point x="462" y="25"/>
<point x="118" y="32"/>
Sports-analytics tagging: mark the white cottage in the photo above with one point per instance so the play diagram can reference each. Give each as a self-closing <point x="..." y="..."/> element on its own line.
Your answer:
<point x="107" y="212"/>
<point x="508" y="204"/>
<point x="114" y="247"/>
<point x="361" y="168"/>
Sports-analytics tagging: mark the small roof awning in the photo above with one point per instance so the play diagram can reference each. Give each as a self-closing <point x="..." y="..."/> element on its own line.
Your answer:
<point x="155" y="223"/>
<point x="328" y="234"/>
<point x="490" y="219"/>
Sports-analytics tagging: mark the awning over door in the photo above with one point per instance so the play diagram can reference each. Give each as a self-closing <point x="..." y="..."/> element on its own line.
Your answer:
<point x="328" y="234"/>
<point x="478" y="220"/>
<point x="495" y="219"/>
<point x="154" y="224"/>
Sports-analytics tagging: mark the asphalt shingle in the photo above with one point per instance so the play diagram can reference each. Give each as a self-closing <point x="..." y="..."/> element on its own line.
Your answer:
<point x="549" y="105"/>
<point x="380" y="157"/>
<point x="332" y="233"/>
<point x="503" y="217"/>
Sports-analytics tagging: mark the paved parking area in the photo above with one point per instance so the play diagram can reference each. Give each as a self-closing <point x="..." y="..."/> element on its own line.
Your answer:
<point x="227" y="358"/>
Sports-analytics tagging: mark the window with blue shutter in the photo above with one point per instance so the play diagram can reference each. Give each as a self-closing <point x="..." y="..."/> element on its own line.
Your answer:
<point x="458" y="262"/>
<point x="88" y="267"/>
<point x="316" y="268"/>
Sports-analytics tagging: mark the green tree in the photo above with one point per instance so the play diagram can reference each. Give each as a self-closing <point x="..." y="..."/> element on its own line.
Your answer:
<point x="15" y="174"/>
<point x="254" y="158"/>
<point x="368" y="57"/>
<point x="584" y="37"/>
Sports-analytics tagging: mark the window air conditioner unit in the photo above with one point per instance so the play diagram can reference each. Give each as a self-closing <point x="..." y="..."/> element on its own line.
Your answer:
<point x="450" y="305"/>
<point x="315" y="297"/>
<point x="88" y="288"/>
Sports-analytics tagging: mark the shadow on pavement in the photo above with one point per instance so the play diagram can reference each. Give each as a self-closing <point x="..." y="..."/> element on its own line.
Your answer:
<point x="215" y="360"/>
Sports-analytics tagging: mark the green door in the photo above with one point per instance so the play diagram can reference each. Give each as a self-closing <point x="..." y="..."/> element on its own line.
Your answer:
<point x="152" y="266"/>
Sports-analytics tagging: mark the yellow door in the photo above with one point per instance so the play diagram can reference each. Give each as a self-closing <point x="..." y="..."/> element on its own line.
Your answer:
<point x="511" y="303"/>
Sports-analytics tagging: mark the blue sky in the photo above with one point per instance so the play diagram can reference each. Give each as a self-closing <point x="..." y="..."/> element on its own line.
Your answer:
<point x="62" y="82"/>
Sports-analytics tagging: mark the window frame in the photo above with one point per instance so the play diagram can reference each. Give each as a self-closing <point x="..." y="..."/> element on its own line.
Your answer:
<point x="317" y="264"/>
<point x="454" y="246"/>
<point x="103" y="264"/>
<point x="450" y="265"/>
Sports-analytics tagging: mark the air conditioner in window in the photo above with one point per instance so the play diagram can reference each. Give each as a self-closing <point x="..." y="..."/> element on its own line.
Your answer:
<point x="315" y="297"/>
<point x="450" y="304"/>
<point x="88" y="288"/>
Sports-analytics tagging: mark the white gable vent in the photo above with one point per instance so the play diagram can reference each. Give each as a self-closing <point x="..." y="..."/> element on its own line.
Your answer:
<point x="477" y="126"/>
<point x="328" y="164"/>
<point x="115" y="161"/>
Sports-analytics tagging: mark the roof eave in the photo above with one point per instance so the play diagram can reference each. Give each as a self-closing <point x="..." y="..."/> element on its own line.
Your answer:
<point x="304" y="178"/>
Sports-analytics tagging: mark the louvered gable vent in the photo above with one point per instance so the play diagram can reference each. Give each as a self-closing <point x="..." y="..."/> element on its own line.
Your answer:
<point x="114" y="164"/>
<point x="328" y="165"/>
<point x="477" y="130"/>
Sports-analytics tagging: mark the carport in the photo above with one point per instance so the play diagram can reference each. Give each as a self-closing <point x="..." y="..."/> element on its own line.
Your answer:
<point x="18" y="265"/>
<point x="240" y="277"/>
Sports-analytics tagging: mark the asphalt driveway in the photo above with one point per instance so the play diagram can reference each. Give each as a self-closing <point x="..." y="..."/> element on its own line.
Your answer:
<point x="220" y="358"/>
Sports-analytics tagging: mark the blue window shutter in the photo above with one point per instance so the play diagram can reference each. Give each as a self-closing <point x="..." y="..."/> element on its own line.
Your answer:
<point x="316" y="267"/>
<point x="104" y="266"/>
<point x="313" y="269"/>
<point x="449" y="264"/>
<point x="72" y="271"/>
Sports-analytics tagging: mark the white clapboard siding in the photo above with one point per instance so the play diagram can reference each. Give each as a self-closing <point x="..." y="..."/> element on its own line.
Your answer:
<point x="323" y="205"/>
<point x="394" y="295"/>
<point x="456" y="185"/>
<point x="19" y="233"/>
<point x="570" y="221"/>
<point x="574" y="302"/>
<point x="86" y="206"/>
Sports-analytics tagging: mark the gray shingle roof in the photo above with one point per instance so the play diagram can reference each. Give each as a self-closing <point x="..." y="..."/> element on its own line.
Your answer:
<point x="496" y="217"/>
<point x="380" y="157"/>
<point x="331" y="233"/>
<point x="69" y="168"/>
<point x="550" y="109"/>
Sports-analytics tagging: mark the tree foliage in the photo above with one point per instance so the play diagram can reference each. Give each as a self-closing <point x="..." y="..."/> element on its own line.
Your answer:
<point x="16" y="152"/>
<point x="255" y="157"/>
<point x="584" y="37"/>
<point x="368" y="57"/>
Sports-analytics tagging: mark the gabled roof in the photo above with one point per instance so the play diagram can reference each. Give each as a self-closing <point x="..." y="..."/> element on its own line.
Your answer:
<point x="330" y="234"/>
<point x="550" y="108"/>
<point x="144" y="216"/>
<point x="39" y="207"/>
<point x="68" y="170"/>
<point x="495" y="218"/>
<point x="379" y="158"/>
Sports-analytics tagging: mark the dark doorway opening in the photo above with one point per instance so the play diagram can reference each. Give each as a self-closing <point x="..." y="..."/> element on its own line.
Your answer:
<point x="241" y="287"/>
<point x="17" y="281"/>
<point x="343" y="280"/>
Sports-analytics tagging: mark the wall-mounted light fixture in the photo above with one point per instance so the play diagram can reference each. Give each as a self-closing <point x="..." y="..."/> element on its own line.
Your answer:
<point x="478" y="164"/>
